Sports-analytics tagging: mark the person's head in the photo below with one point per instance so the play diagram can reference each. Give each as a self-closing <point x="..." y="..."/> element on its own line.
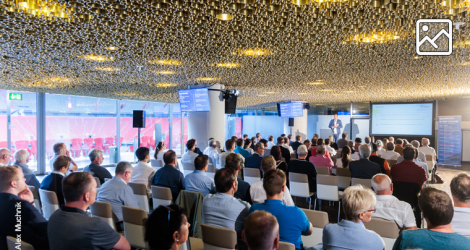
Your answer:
<point x="191" y="144"/>
<point x="233" y="161"/>
<point x="264" y="142"/>
<point x="373" y="146"/>
<point x="225" y="180"/>
<point x="240" y="142"/>
<point x="385" y="141"/>
<point x="124" y="170"/>
<point x="274" y="182"/>
<point x="358" y="203"/>
<point x="245" y="136"/>
<point x="436" y="206"/>
<point x="247" y="143"/>
<point x="379" y="143"/>
<point x="280" y="141"/>
<point x="390" y="146"/>
<point x="391" y="139"/>
<point x="327" y="141"/>
<point x="96" y="156"/>
<point x="399" y="142"/>
<point x="321" y="150"/>
<point x="170" y="158"/>
<point x="320" y="142"/>
<point x="367" y="140"/>
<point x="212" y="143"/>
<point x="201" y="162"/>
<point x="79" y="187"/>
<point x="302" y="151"/>
<point x="261" y="231"/>
<point x="12" y="180"/>
<point x="59" y="148"/>
<point x="314" y="142"/>
<point x="62" y="163"/>
<point x="22" y="156"/>
<point x="425" y="141"/>
<point x="289" y="137"/>
<point x="358" y="140"/>
<point x="350" y="143"/>
<point x="298" y="138"/>
<point x="415" y="143"/>
<point x="254" y="140"/>
<point x="258" y="136"/>
<point x="364" y="151"/>
<point x="234" y="138"/>
<point x="271" y="138"/>
<point x="268" y="163"/>
<point x="331" y="139"/>
<point x="460" y="189"/>
<point x="307" y="143"/>
<point x="283" y="135"/>
<point x="259" y="148"/>
<point x="346" y="150"/>
<point x="382" y="184"/>
<point x="409" y="153"/>
<point x="335" y="116"/>
<point x="286" y="140"/>
<point x="344" y="135"/>
<point x="372" y="138"/>
<point x="167" y="228"/>
<point x="161" y="146"/>
<point x="230" y="145"/>
<point x="276" y="153"/>
<point x="5" y="156"/>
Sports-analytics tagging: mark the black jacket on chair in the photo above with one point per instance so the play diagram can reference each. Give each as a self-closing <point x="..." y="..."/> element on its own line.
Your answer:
<point x="98" y="171"/>
<point x="378" y="160"/>
<point x="253" y="161"/>
<point x="285" y="153"/>
<point x="53" y="182"/>
<point x="364" y="169"/>
<point x="295" y="145"/>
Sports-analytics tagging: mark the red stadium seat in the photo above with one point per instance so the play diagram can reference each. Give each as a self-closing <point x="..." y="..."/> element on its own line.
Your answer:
<point x="99" y="143"/>
<point x="76" y="147"/>
<point x="34" y="149"/>
<point x="152" y="143"/>
<point x="108" y="142"/>
<point x="145" y="141"/>
<point x="49" y="148"/>
<point x="88" y="145"/>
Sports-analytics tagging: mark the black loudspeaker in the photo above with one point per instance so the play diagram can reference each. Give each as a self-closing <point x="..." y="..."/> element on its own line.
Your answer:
<point x="291" y="122"/>
<point x="138" y="119"/>
<point x="231" y="105"/>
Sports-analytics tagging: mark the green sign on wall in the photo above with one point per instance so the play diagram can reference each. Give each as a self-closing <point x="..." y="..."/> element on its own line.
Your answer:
<point x="15" y="96"/>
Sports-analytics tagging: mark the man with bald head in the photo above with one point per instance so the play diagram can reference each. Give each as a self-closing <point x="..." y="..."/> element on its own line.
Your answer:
<point x="261" y="231"/>
<point x="5" y="156"/>
<point x="388" y="207"/>
<point x="426" y="149"/>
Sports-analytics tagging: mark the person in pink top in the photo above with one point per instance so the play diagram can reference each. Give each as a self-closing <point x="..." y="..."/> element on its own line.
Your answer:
<point x="321" y="159"/>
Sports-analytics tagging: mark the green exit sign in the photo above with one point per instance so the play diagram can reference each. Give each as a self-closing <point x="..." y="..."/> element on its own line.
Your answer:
<point x="16" y="97"/>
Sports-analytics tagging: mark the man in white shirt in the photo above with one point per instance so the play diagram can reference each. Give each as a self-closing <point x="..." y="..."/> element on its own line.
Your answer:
<point x="460" y="189"/>
<point x="380" y="148"/>
<point x="427" y="150"/>
<point x="257" y="192"/>
<point x="286" y="145"/>
<point x="331" y="150"/>
<point x="143" y="172"/>
<point x="270" y="142"/>
<point x="212" y="151"/>
<point x="421" y="155"/>
<point x="230" y="146"/>
<point x="5" y="156"/>
<point x="190" y="155"/>
<point x="61" y="149"/>
<point x="390" y="154"/>
<point x="388" y="207"/>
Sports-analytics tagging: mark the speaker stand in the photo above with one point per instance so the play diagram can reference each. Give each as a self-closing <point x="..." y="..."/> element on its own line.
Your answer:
<point x="138" y="139"/>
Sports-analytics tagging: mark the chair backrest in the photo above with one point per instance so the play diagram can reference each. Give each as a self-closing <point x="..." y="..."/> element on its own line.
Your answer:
<point x="428" y="157"/>
<point x="49" y="201"/>
<point x="218" y="238"/>
<point x="156" y="163"/>
<point x="140" y="194"/>
<point x="161" y="196"/>
<point x="12" y="244"/>
<point x="251" y="175"/>
<point x="299" y="185"/>
<point x="429" y="162"/>
<point x="210" y="170"/>
<point x="391" y="162"/>
<point x="286" y="246"/>
<point x="98" y="182"/>
<point x="322" y="170"/>
<point x="327" y="187"/>
<point x="388" y="230"/>
<point x="134" y="226"/>
<point x="364" y="182"/>
<point x="407" y="191"/>
<point x="319" y="219"/>
<point x="188" y="168"/>
<point x="344" y="177"/>
<point x="107" y="179"/>
<point x="104" y="211"/>
<point x="36" y="197"/>
<point x="267" y="152"/>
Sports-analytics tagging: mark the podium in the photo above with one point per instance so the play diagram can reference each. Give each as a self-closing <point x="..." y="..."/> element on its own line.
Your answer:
<point x="324" y="133"/>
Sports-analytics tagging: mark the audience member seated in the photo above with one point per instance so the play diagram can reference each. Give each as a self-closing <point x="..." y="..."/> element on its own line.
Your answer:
<point x="5" y="156"/>
<point x="143" y="172"/>
<point x="261" y="231"/>
<point x="308" y="144"/>
<point x="230" y="147"/>
<point x="257" y="192"/>
<point x="292" y="220"/>
<point x="190" y="155"/>
<point x="96" y="158"/>
<point x="117" y="193"/>
<point x="438" y="211"/>
<point x="460" y="189"/>
<point x="169" y="176"/>
<point x="426" y="149"/>
<point x="271" y="142"/>
<point x="290" y="141"/>
<point x="415" y="159"/>
<point x="223" y="209"/>
<point x="247" y="146"/>
<point x="21" y="160"/>
<point x="380" y="148"/>
<point x="367" y="140"/>
<point x="399" y="146"/>
<point x="407" y="170"/>
<point x="320" y="142"/>
<point x="258" y="136"/>
<point x="343" y="141"/>
<point x="390" y="154"/>
<point x="351" y="146"/>
<point x="254" y="140"/>
<point x="328" y="147"/>
<point x="343" y="162"/>
<point x="198" y="181"/>
<point x="302" y="166"/>
<point x="384" y="167"/>
<point x="332" y="143"/>
<point x="358" y="205"/>
<point x="296" y="143"/>
<point x="284" y="151"/>
<point x="17" y="208"/>
<point x="277" y="154"/>
<point x="160" y="151"/>
<point x="265" y="144"/>
<point x="240" y="150"/>
<point x="243" y="192"/>
<point x="364" y="168"/>
<point x="60" y="149"/>
<point x="388" y="207"/>
<point x="212" y="151"/>
<point x="321" y="159"/>
<point x="167" y="228"/>
<point x="287" y="146"/>
<point x="53" y="182"/>
<point x="357" y="144"/>
<point x="391" y="139"/>
<point x="196" y="149"/>
<point x="71" y="227"/>
<point x="421" y="155"/>
<point x="254" y="161"/>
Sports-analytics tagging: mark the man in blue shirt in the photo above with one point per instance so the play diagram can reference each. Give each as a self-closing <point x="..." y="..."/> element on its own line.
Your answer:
<point x="240" y="150"/>
<point x="21" y="160"/>
<point x="438" y="211"/>
<point x="198" y="181"/>
<point x="169" y="176"/>
<point x="292" y="220"/>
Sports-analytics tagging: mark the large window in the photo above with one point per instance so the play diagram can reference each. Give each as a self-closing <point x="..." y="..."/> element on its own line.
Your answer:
<point x="177" y="145"/>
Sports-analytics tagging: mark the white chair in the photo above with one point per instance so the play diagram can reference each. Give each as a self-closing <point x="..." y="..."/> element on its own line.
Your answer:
<point x="267" y="152"/>
<point x="12" y="244"/>
<point x="188" y="168"/>
<point x="299" y="187"/>
<point x="388" y="230"/>
<point x="286" y="246"/>
<point x="429" y="162"/>
<point x="364" y="182"/>
<point x="251" y="175"/>
<point x="134" y="226"/>
<point x="103" y="211"/>
<point x="319" y="220"/>
<point x="323" y="170"/>
<point x="36" y="197"/>
<point x="140" y="194"/>
<point x="107" y="179"/>
<point x="49" y="201"/>
<point x="211" y="171"/>
<point x="218" y="238"/>
<point x="161" y="196"/>
<point x="157" y="164"/>
<point x="344" y="178"/>
<point x="327" y="189"/>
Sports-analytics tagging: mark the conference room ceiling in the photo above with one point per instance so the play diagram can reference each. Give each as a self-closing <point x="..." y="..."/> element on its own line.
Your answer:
<point x="271" y="50"/>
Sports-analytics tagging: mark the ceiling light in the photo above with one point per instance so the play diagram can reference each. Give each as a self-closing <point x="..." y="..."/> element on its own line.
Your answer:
<point x="300" y="2"/>
<point x="98" y="58"/>
<point x="303" y="93"/>
<point x="107" y="69"/>
<point x="224" y="17"/>
<point x="256" y="52"/>
<point x="417" y="57"/>
<point x="227" y="65"/>
<point x="165" y="72"/>
<point x="164" y="84"/>
<point x="207" y="79"/>
<point x="465" y="63"/>
<point x="315" y="83"/>
<point x="111" y="48"/>
<point x="377" y="37"/>
<point x="390" y="90"/>
<point x="165" y="62"/>
<point x="349" y="91"/>
<point x="325" y="90"/>
<point x="270" y="92"/>
<point x="262" y="95"/>
<point x="59" y="79"/>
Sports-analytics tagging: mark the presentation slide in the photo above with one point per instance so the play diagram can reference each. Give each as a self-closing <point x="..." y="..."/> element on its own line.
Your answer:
<point x="291" y="109"/>
<point x="402" y="119"/>
<point x="194" y="100"/>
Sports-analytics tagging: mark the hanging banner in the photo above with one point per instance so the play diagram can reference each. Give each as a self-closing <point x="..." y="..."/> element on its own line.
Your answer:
<point x="450" y="140"/>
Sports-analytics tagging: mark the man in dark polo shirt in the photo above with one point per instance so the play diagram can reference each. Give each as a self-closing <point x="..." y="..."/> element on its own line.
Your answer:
<point x="71" y="227"/>
<point x="302" y="166"/>
<point x="407" y="170"/>
<point x="169" y="176"/>
<point x="364" y="168"/>
<point x="232" y="161"/>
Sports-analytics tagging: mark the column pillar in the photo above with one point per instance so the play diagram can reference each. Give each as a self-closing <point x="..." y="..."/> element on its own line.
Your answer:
<point x="300" y="126"/>
<point x="205" y="125"/>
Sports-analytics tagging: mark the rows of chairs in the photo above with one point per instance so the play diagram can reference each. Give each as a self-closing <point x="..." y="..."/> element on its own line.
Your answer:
<point x="31" y="146"/>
